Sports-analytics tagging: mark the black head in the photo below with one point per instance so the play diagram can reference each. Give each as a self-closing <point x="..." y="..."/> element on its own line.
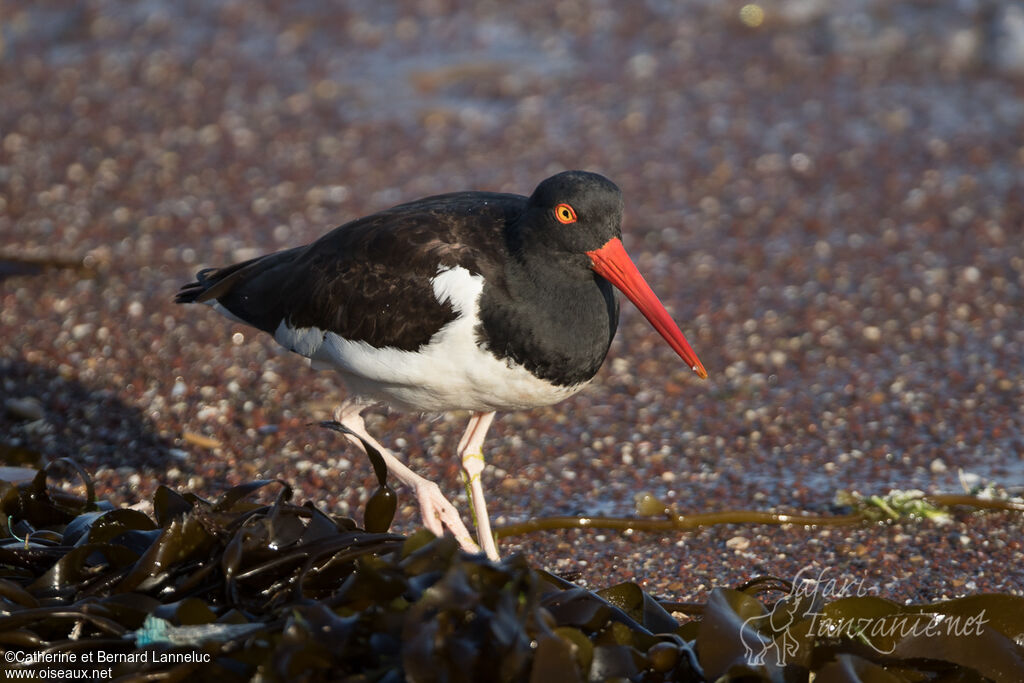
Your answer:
<point x="574" y="218"/>
<point x="573" y="212"/>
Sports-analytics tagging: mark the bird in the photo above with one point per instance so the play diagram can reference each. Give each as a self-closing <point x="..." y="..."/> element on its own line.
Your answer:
<point x="473" y="300"/>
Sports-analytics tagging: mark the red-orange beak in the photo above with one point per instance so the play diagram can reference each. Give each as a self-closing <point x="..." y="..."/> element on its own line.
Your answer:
<point x="613" y="264"/>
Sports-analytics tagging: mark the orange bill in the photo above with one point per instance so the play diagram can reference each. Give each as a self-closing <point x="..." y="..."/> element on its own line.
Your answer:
<point x="613" y="264"/>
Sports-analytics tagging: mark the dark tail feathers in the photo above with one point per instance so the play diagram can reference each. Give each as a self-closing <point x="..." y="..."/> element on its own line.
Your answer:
<point x="213" y="283"/>
<point x="193" y="292"/>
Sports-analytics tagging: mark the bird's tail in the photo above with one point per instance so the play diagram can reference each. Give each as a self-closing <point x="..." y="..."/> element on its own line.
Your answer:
<point x="214" y="283"/>
<point x="246" y="292"/>
<point x="210" y="283"/>
<point x="190" y="293"/>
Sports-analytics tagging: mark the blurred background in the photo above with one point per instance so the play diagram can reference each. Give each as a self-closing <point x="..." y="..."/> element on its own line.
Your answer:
<point x="828" y="195"/>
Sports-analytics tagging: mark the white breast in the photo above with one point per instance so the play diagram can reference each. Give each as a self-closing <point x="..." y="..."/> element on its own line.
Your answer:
<point x="450" y="372"/>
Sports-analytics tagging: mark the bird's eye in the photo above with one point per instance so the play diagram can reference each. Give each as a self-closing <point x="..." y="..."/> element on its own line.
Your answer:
<point x="565" y="214"/>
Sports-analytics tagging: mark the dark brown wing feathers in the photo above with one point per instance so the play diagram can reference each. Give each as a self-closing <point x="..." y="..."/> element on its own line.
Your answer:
<point x="368" y="280"/>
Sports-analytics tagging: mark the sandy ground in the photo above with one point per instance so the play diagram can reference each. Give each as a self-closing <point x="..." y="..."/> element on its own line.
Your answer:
<point x="829" y="196"/>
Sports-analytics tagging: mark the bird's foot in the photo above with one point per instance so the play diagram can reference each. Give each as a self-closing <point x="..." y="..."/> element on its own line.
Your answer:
<point x="438" y="513"/>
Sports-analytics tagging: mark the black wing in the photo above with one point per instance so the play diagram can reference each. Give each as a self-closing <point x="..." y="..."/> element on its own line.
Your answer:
<point x="369" y="280"/>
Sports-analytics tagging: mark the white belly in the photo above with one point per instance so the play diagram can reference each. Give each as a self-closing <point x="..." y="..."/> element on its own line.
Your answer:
<point x="450" y="372"/>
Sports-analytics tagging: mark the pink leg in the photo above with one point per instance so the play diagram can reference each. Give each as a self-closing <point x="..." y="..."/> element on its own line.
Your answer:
<point x="437" y="512"/>
<point x="472" y="455"/>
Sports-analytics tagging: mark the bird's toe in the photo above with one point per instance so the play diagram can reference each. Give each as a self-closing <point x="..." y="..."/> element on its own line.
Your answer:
<point x="439" y="513"/>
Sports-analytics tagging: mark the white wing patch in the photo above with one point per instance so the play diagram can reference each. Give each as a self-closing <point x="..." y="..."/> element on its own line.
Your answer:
<point x="450" y="372"/>
<point x="458" y="286"/>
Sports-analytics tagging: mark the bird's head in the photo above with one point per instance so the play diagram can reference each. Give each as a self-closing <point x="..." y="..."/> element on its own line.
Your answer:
<point x="578" y="215"/>
<point x="573" y="212"/>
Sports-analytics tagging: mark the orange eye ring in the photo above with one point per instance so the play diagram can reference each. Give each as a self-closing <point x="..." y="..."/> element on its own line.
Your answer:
<point x="565" y="214"/>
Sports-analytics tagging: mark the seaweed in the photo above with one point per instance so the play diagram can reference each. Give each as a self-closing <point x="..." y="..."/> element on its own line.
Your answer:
<point x="238" y="590"/>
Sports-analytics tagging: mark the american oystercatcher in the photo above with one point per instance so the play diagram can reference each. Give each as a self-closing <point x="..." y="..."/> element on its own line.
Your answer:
<point x="474" y="301"/>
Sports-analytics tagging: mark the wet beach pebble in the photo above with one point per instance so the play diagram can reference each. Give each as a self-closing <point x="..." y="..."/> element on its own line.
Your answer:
<point x="828" y="197"/>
